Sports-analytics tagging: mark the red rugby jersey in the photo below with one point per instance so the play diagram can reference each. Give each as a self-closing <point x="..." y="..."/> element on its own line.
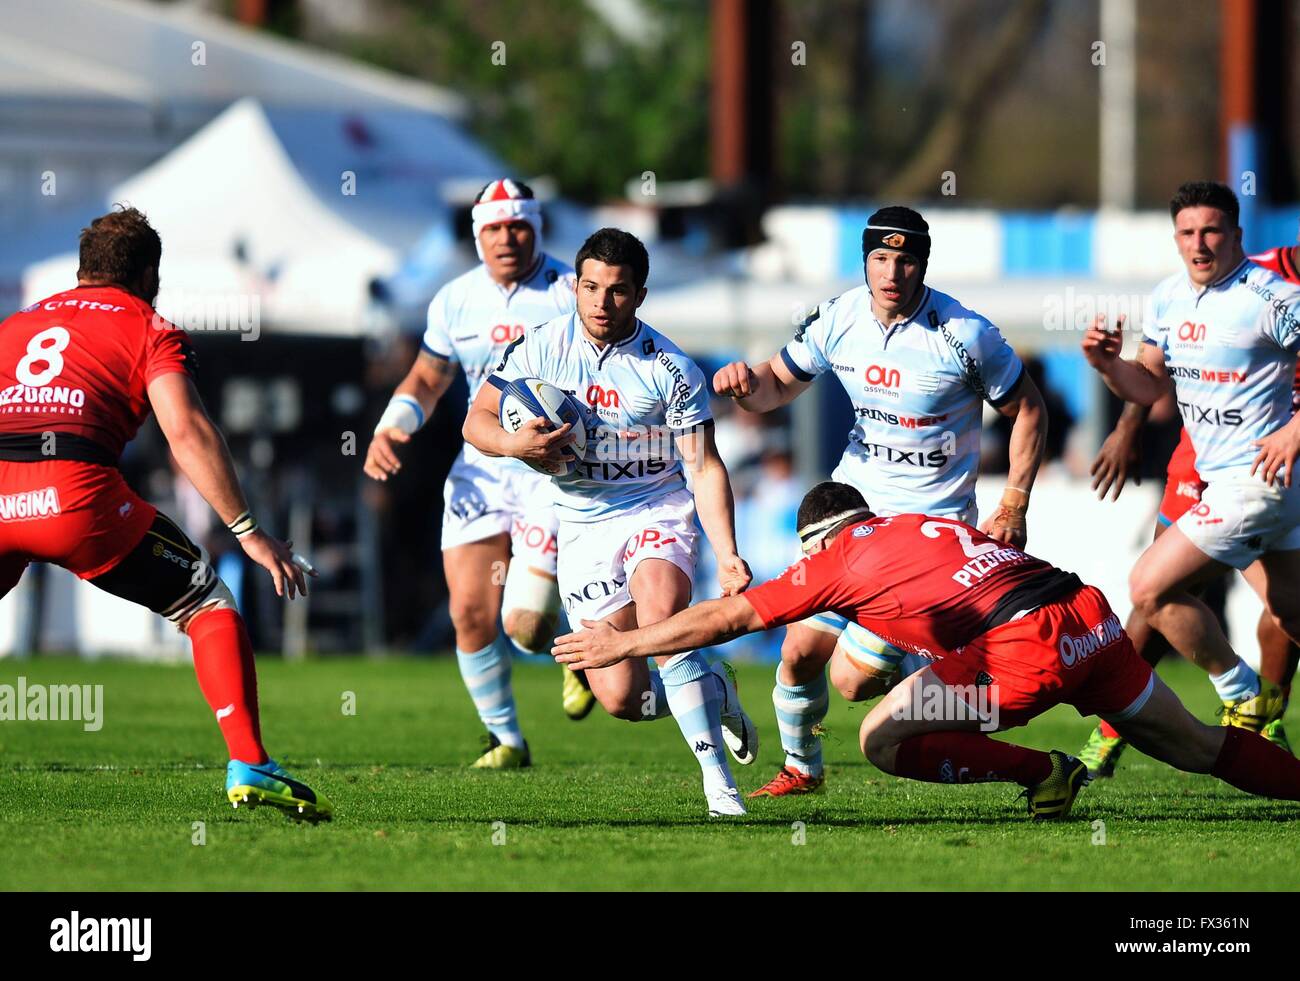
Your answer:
<point x="80" y="362"/>
<point x="926" y="585"/>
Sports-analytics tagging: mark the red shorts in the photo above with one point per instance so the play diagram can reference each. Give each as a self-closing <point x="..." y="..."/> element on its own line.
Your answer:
<point x="1183" y="485"/>
<point x="81" y="516"/>
<point x="1073" y="651"/>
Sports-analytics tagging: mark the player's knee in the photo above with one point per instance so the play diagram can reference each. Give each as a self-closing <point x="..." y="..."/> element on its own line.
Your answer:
<point x="853" y="683"/>
<point x="1284" y="609"/>
<point x="473" y="623"/>
<point x="623" y="705"/>
<point x="532" y="606"/>
<point x="801" y="658"/>
<point x="218" y="598"/>
<point x="878" y="745"/>
<point x="1143" y="594"/>
<point x="529" y="629"/>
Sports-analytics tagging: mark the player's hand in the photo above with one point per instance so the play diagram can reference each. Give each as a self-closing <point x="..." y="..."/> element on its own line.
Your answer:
<point x="1277" y="451"/>
<point x="733" y="574"/>
<point x="1101" y="344"/>
<point x="381" y="458"/>
<point x="288" y="570"/>
<point x="1117" y="459"/>
<point x="1007" y="525"/>
<point x="599" y="645"/>
<point x="735" y="380"/>
<point x="535" y="442"/>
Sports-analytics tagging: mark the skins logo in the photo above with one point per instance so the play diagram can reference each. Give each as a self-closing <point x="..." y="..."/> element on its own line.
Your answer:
<point x="983" y="679"/>
<point x="894" y="241"/>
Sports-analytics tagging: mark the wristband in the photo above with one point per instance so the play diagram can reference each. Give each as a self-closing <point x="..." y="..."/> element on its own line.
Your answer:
<point x="243" y="526"/>
<point x="403" y="413"/>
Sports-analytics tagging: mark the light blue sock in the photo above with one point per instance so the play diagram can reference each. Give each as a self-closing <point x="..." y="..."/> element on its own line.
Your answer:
<point x="799" y="710"/>
<point x="654" y="702"/>
<point x="487" y="676"/>
<point x="1237" y="683"/>
<point x="695" y="696"/>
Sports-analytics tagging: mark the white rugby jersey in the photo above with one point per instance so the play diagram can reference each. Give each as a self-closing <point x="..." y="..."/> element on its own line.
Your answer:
<point x="639" y="393"/>
<point x="916" y="389"/>
<point x="473" y="319"/>
<point x="1231" y="351"/>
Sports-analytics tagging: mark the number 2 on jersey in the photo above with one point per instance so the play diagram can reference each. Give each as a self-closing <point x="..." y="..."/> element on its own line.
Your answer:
<point x="931" y="529"/>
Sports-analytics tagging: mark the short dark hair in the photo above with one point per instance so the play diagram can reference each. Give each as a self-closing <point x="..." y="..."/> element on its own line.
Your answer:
<point x="118" y="247"/>
<point x="1205" y="194"/>
<point x="615" y="247"/>
<point x="826" y="499"/>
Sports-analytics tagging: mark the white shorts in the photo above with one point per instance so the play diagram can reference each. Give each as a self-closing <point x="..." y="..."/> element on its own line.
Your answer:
<point x="481" y="500"/>
<point x="1240" y="518"/>
<point x="860" y="643"/>
<point x="597" y="558"/>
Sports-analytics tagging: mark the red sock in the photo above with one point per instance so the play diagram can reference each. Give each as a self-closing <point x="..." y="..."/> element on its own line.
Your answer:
<point x="1251" y="763"/>
<point x="223" y="660"/>
<point x="1108" y="731"/>
<point x="969" y="757"/>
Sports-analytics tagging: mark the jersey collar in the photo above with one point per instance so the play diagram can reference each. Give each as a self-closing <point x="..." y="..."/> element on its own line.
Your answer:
<point x="1223" y="279"/>
<point x="899" y="325"/>
<point x="602" y="353"/>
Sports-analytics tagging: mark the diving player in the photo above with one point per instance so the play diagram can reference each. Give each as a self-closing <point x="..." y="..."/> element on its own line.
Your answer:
<point x="1009" y="636"/>
<point x="493" y="509"/>
<point x="627" y="535"/>
<point x="917" y="366"/>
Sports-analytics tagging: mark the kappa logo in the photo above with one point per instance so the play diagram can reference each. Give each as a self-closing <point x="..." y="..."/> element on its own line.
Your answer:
<point x="894" y="241"/>
<point x="703" y="747"/>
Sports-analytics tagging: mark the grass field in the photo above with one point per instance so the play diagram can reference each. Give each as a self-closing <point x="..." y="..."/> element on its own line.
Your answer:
<point x="607" y="805"/>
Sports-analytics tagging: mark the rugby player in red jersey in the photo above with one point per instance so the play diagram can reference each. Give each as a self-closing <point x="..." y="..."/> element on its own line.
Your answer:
<point x="79" y="373"/>
<point x="1009" y="635"/>
<point x="1278" y="656"/>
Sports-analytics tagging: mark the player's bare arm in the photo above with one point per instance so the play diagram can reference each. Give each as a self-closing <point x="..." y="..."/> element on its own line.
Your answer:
<point x="426" y="383"/>
<point x="1143" y="380"/>
<point x="202" y="454"/>
<point x="599" y="644"/>
<point x="1028" y="440"/>
<point x="535" y="441"/>
<point x="762" y="389"/>
<point x="714" y="504"/>
<point x="1120" y="453"/>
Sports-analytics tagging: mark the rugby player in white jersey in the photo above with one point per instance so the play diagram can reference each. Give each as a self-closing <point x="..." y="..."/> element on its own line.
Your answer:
<point x="493" y="509"/>
<point x="917" y="366"/>
<point x="1223" y="336"/>
<point x="627" y="533"/>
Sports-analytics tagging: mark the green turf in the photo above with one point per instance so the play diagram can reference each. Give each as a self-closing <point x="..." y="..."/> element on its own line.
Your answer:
<point x="607" y="805"/>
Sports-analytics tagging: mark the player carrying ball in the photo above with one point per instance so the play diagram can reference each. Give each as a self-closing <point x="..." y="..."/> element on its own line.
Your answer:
<point x="79" y="373"/>
<point x="918" y="367"/>
<point x="1011" y="636"/>
<point x="495" y="511"/>
<point x="627" y="533"/>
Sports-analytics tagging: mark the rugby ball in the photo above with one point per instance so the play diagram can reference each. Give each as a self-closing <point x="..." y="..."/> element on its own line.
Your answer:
<point x="532" y="398"/>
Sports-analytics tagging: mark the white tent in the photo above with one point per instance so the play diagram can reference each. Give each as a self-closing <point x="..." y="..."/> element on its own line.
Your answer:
<point x="289" y="214"/>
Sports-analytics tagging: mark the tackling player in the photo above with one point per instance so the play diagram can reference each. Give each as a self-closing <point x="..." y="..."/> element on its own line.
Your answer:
<point x="1011" y="636"/>
<point x="492" y="508"/>
<point x="1223" y="336"/>
<point x="627" y="532"/>
<point x="1183" y="488"/>
<point x="917" y="366"/>
<point x="79" y="373"/>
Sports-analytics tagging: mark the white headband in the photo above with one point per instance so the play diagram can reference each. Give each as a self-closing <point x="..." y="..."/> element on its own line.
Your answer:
<point x="810" y="535"/>
<point x="508" y="209"/>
